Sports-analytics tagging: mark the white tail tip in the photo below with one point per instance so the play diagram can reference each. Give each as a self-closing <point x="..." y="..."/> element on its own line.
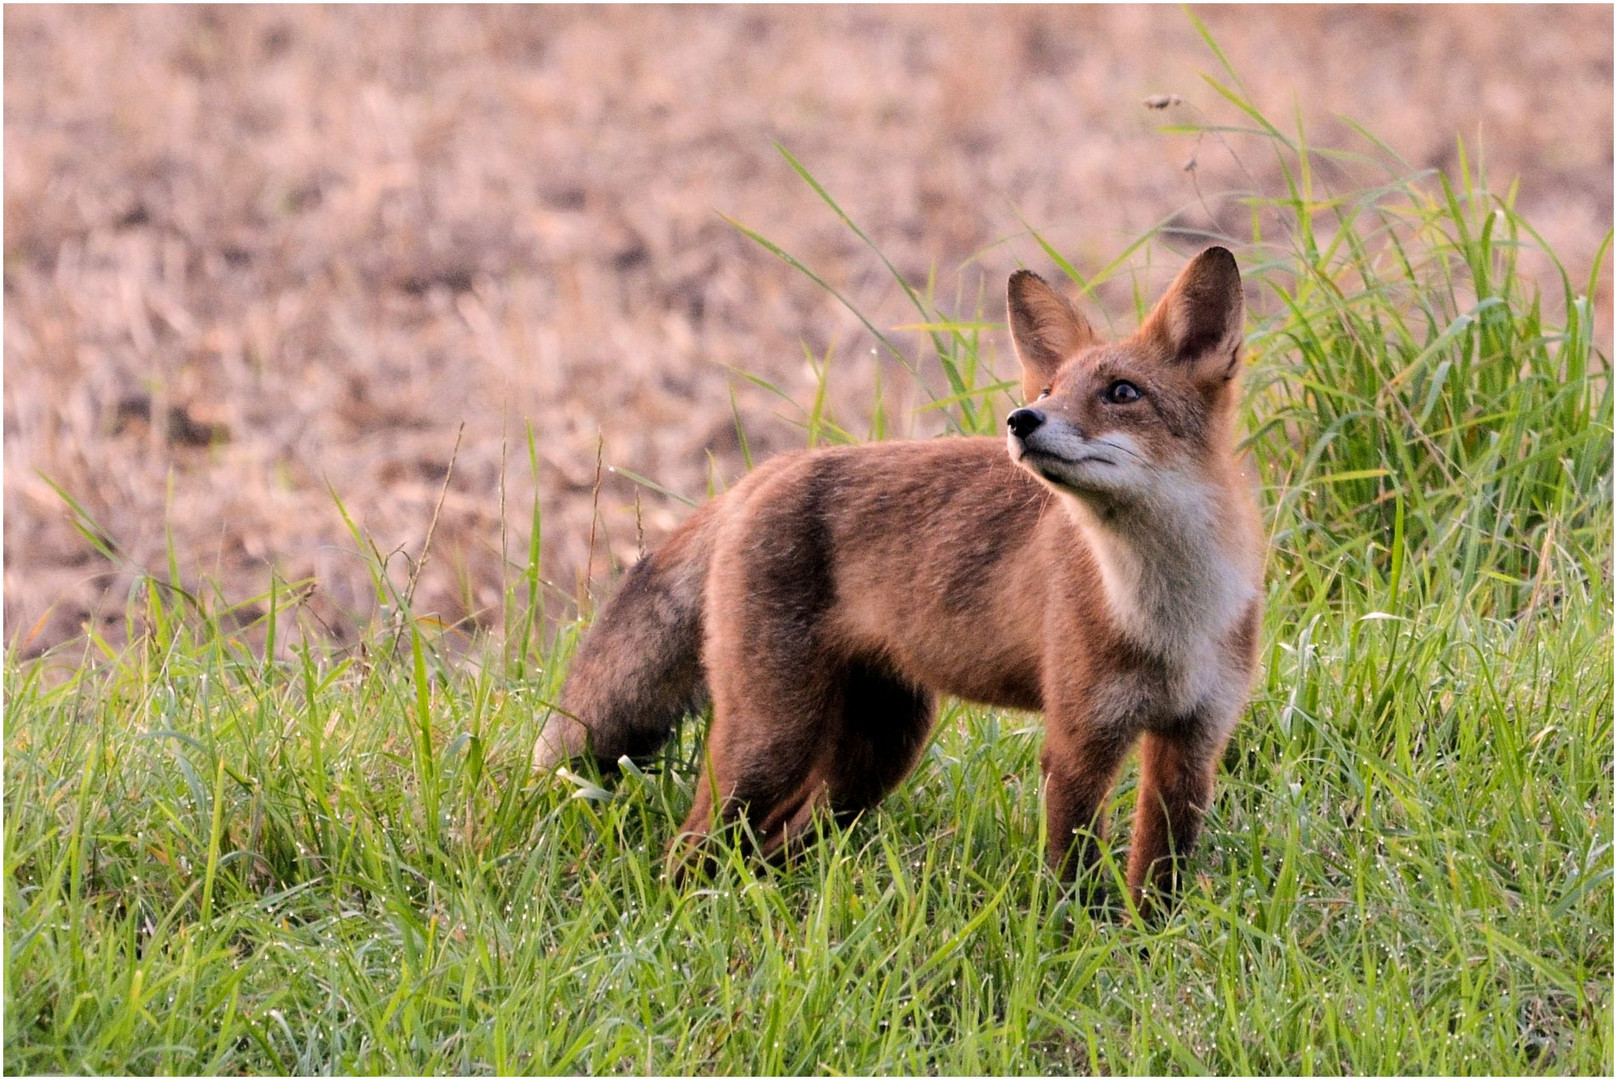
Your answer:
<point x="562" y="740"/>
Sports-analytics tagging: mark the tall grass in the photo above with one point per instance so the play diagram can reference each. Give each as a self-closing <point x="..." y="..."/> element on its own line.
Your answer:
<point x="220" y="862"/>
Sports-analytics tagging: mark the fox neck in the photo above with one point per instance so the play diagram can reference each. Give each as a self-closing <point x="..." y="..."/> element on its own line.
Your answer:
<point x="1178" y="572"/>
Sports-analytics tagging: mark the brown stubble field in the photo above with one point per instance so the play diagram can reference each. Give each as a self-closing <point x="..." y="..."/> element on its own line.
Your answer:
<point x="260" y="259"/>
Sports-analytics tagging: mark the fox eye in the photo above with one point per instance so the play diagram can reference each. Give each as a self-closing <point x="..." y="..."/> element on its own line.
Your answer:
<point x="1044" y="393"/>
<point x="1122" y="392"/>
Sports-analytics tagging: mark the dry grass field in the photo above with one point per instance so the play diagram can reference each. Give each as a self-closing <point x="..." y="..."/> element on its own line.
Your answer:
<point x="258" y="260"/>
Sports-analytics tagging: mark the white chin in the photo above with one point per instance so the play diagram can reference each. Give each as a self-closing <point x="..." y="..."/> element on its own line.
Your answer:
<point x="1079" y="482"/>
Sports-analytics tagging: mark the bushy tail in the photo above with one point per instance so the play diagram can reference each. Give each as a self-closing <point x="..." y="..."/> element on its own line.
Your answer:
<point x="639" y="668"/>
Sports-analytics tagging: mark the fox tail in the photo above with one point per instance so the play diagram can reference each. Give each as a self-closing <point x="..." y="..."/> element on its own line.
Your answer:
<point x="639" y="667"/>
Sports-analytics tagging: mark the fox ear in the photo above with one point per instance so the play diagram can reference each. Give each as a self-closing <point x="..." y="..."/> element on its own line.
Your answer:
<point x="1201" y="317"/>
<point x="1045" y="328"/>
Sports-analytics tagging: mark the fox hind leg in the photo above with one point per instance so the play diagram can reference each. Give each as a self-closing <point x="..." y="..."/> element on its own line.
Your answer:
<point x="764" y="759"/>
<point x="875" y="726"/>
<point x="885" y="724"/>
<point x="777" y="816"/>
<point x="847" y="743"/>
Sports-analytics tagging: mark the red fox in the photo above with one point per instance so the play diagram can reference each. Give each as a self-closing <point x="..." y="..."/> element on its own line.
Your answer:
<point x="1108" y="571"/>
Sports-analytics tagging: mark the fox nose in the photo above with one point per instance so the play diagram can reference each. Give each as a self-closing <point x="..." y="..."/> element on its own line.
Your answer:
<point x="1024" y="422"/>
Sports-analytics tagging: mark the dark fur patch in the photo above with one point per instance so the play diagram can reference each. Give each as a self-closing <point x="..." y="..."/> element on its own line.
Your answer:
<point x="885" y="724"/>
<point x="789" y="573"/>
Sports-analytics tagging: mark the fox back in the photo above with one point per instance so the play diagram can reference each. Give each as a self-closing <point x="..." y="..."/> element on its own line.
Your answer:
<point x="1103" y="563"/>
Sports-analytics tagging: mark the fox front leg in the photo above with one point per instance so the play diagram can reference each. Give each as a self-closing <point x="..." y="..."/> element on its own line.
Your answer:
<point x="1080" y="762"/>
<point x="1176" y="787"/>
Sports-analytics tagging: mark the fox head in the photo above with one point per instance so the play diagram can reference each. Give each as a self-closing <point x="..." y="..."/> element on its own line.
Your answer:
<point x="1135" y="423"/>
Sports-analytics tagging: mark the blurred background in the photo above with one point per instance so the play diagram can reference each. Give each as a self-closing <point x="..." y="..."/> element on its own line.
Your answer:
<point x="267" y="266"/>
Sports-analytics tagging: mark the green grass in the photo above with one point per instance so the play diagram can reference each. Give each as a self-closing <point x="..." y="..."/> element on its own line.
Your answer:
<point x="218" y="862"/>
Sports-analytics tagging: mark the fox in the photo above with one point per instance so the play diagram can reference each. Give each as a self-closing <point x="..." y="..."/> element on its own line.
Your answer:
<point x="1102" y="564"/>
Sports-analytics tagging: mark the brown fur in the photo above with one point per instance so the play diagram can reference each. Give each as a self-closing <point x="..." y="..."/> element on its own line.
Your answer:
<point x="1108" y="575"/>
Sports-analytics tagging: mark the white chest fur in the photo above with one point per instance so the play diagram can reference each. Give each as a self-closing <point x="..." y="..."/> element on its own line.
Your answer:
<point x="1176" y="586"/>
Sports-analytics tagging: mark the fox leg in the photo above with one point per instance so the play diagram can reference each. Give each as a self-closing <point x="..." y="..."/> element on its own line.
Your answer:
<point x="849" y="740"/>
<point x="1176" y="786"/>
<point x="885" y="723"/>
<point x="778" y="816"/>
<point x="1080" y="762"/>
<point x="685" y="851"/>
<point x="772" y="728"/>
<point x="873" y="729"/>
